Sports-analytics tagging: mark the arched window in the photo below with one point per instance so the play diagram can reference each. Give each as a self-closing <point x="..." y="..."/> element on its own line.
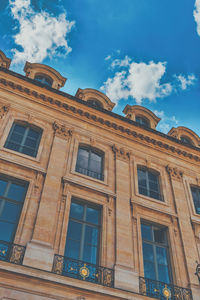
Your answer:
<point x="44" y="79"/>
<point x="95" y="103"/>
<point x="90" y="162"/>
<point x="186" y="140"/>
<point x="149" y="183"/>
<point x="143" y="121"/>
<point x="24" y="138"/>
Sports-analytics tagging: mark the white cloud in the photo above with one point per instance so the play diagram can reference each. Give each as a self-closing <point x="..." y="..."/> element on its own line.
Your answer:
<point x="139" y="81"/>
<point x="166" y="122"/>
<point x="40" y="34"/>
<point x="186" y="81"/>
<point x="196" y="14"/>
<point x="107" y="57"/>
<point x="142" y="81"/>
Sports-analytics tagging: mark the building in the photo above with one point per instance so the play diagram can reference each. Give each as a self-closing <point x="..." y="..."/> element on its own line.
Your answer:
<point x="93" y="205"/>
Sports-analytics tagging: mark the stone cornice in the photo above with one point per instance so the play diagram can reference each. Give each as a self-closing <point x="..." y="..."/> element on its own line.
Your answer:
<point x="103" y="120"/>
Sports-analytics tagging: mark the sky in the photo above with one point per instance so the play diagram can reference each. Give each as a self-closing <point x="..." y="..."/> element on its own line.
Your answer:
<point x="137" y="52"/>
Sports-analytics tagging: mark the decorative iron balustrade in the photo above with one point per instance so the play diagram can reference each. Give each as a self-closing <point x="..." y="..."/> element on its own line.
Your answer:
<point x="83" y="271"/>
<point x="11" y="252"/>
<point x="163" y="291"/>
<point x="89" y="173"/>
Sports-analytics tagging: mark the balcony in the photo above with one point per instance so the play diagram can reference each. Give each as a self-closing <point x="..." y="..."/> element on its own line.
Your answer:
<point x="164" y="291"/>
<point x="89" y="173"/>
<point x="83" y="271"/>
<point x="11" y="252"/>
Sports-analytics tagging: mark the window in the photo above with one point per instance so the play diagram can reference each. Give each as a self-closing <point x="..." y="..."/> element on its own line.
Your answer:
<point x="12" y="195"/>
<point x="90" y="162"/>
<point x="142" y="121"/>
<point x="24" y="139"/>
<point x="83" y="232"/>
<point x="155" y="253"/>
<point x="95" y="103"/>
<point x="196" y="198"/>
<point x="186" y="140"/>
<point x="148" y="183"/>
<point x="44" y="79"/>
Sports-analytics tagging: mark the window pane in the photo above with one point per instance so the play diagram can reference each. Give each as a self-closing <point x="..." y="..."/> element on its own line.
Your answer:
<point x="76" y="211"/>
<point x="6" y="231"/>
<point x="16" y="138"/>
<point x="91" y="235"/>
<point x="146" y="232"/>
<point x="16" y="192"/>
<point x="28" y="151"/>
<point x="142" y="178"/>
<point x="72" y="249"/>
<point x="95" y="166"/>
<point x="92" y="215"/>
<point x="90" y="254"/>
<point x="152" y="177"/>
<point x="148" y="252"/>
<point x="159" y="235"/>
<point x="149" y="270"/>
<point x="196" y="199"/>
<point x="83" y="157"/>
<point x="161" y="255"/>
<point x="34" y="134"/>
<point x="30" y="142"/>
<point x="13" y="146"/>
<point x="20" y="129"/>
<point x="3" y="185"/>
<point x="74" y="230"/>
<point x="163" y="273"/>
<point x="9" y="211"/>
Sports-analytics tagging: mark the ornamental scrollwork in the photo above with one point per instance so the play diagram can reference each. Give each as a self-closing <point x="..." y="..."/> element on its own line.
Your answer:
<point x="121" y="153"/>
<point x="58" y="264"/>
<point x="17" y="254"/>
<point x="3" y="111"/>
<point x="61" y="130"/>
<point x="174" y="173"/>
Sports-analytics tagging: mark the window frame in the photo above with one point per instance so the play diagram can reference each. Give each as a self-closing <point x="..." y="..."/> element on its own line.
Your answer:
<point x="85" y="205"/>
<point x="27" y="126"/>
<point x="154" y="244"/>
<point x="198" y="191"/>
<point x="25" y="184"/>
<point x="156" y="173"/>
<point x="43" y="81"/>
<point x="90" y="150"/>
<point x="146" y="121"/>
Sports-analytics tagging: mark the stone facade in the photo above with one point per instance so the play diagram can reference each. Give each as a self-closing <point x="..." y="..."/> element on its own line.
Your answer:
<point x="67" y="122"/>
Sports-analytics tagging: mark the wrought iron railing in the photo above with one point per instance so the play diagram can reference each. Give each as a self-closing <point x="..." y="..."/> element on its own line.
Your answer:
<point x="89" y="173"/>
<point x="83" y="271"/>
<point x="11" y="252"/>
<point x="162" y="290"/>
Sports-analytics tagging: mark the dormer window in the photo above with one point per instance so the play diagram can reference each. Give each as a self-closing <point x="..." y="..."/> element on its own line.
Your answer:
<point x="95" y="103"/>
<point x="44" y="79"/>
<point x="186" y="140"/>
<point x="142" y="121"/>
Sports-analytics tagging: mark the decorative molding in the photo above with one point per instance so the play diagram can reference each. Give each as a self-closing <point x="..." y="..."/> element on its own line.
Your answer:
<point x="3" y="110"/>
<point x="58" y="264"/>
<point x="96" y="119"/>
<point x="17" y="254"/>
<point x="61" y="130"/>
<point x="121" y="153"/>
<point x="174" y="173"/>
<point x="38" y="182"/>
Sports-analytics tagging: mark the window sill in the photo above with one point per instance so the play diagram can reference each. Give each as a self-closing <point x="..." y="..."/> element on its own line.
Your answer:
<point x="143" y="197"/>
<point x="6" y="150"/>
<point x="103" y="182"/>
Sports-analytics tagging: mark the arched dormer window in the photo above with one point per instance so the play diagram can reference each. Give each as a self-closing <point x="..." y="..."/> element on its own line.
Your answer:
<point x="142" y="121"/>
<point x="44" y="79"/>
<point x="186" y="140"/>
<point x="95" y="103"/>
<point x="90" y="162"/>
<point x="24" y="138"/>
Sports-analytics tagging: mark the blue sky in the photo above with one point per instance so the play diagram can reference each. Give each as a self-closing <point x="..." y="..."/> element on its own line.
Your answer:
<point x="144" y="52"/>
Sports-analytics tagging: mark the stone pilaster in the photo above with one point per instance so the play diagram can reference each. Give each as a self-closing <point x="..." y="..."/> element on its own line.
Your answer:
<point x="125" y="276"/>
<point x="187" y="235"/>
<point x="40" y="252"/>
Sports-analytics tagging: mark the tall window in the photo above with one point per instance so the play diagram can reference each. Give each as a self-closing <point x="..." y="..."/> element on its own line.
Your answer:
<point x="24" y="139"/>
<point x="196" y="198"/>
<point x="148" y="183"/>
<point x="44" y="79"/>
<point x="83" y="232"/>
<point x="90" y="162"/>
<point x="95" y="103"/>
<point x="142" y="121"/>
<point x="12" y="195"/>
<point x="155" y="253"/>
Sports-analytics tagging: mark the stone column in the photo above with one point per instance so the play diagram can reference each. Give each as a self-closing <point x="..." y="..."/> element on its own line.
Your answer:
<point x="186" y="231"/>
<point x="125" y="276"/>
<point x="39" y="251"/>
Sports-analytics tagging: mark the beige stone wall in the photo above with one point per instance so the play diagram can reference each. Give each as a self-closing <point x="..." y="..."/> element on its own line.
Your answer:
<point x="53" y="182"/>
